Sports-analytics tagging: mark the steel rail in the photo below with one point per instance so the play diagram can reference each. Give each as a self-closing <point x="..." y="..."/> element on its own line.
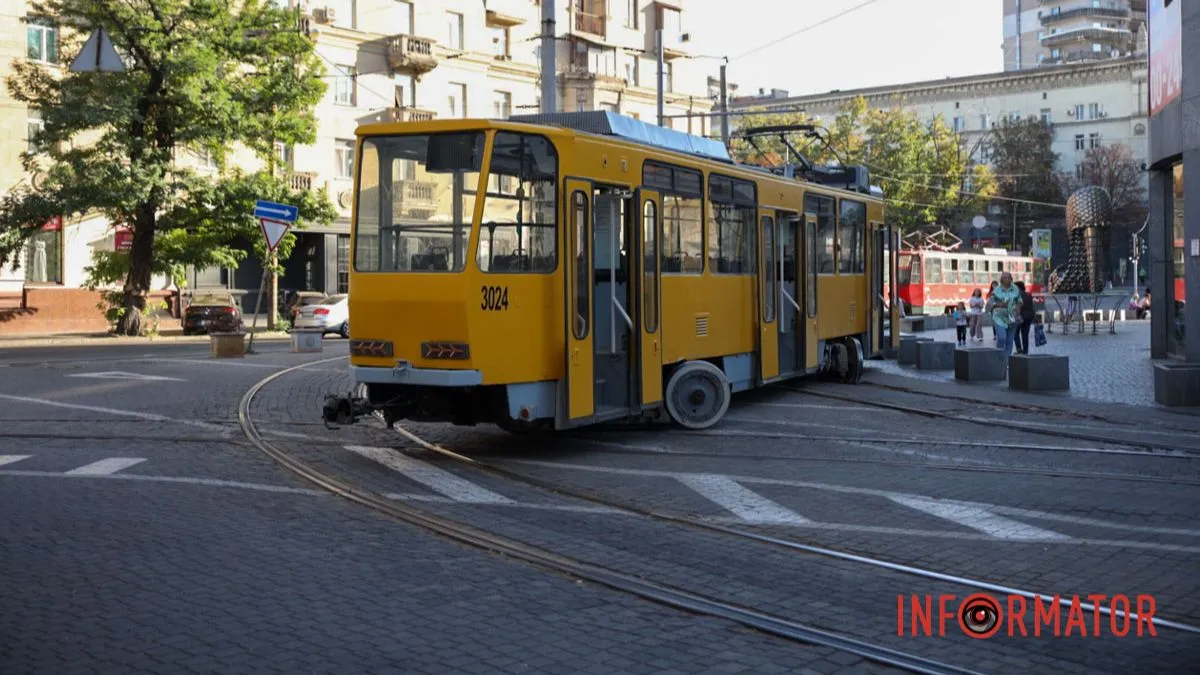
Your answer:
<point x="660" y="593"/>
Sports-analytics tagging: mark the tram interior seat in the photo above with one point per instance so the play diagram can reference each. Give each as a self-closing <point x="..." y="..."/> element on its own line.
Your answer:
<point x="429" y="262"/>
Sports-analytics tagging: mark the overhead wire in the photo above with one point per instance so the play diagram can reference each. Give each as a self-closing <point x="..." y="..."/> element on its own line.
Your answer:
<point x="807" y="28"/>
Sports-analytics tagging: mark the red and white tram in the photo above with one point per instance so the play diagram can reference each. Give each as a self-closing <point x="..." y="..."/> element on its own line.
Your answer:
<point x="935" y="280"/>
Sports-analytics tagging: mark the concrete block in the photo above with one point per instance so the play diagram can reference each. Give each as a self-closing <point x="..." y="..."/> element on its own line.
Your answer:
<point x="908" y="349"/>
<point x="980" y="364"/>
<point x="1039" y="372"/>
<point x="1177" y="384"/>
<point x="935" y="355"/>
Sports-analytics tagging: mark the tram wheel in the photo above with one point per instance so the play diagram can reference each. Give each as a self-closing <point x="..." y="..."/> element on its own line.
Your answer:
<point x="855" y="363"/>
<point x="697" y="395"/>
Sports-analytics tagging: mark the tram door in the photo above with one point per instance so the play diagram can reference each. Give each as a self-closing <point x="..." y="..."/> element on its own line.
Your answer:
<point x="878" y="259"/>
<point x="577" y="402"/>
<point x="614" y="277"/>
<point x="650" y="346"/>
<point x="809" y="283"/>
<point x="791" y="318"/>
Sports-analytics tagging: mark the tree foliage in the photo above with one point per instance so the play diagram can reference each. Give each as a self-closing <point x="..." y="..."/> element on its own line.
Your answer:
<point x="1025" y="165"/>
<point x="202" y="75"/>
<point x="1113" y="168"/>
<point x="924" y="168"/>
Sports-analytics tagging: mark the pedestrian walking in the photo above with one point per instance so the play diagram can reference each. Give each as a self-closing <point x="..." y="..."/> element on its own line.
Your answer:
<point x="1006" y="307"/>
<point x="1025" y="316"/>
<point x="990" y="293"/>
<point x="975" y="315"/>
<point x="960" y="323"/>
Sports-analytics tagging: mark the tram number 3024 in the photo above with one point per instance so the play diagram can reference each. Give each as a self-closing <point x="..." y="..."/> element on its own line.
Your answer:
<point x="495" y="298"/>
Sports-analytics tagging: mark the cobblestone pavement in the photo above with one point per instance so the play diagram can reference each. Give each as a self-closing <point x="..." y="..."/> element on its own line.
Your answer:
<point x="145" y="529"/>
<point x="1104" y="367"/>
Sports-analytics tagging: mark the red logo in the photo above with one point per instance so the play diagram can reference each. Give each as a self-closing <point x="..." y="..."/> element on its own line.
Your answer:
<point x="981" y="615"/>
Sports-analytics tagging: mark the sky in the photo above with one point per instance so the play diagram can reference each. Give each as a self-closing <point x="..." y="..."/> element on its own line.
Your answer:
<point x="885" y="42"/>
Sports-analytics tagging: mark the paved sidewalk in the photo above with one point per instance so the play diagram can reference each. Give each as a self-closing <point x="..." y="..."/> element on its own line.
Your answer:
<point x="172" y="336"/>
<point x="1104" y="367"/>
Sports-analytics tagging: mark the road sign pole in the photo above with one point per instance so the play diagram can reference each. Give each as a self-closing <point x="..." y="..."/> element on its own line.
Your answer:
<point x="262" y="288"/>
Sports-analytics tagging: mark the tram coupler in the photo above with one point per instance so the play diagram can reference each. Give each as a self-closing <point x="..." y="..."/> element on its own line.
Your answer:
<point x="344" y="409"/>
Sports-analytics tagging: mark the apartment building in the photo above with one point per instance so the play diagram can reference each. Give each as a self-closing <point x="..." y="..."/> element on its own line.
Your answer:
<point x="1050" y="32"/>
<point x="412" y="60"/>
<point x="1088" y="104"/>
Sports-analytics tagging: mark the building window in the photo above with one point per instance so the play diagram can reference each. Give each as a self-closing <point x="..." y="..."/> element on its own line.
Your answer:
<point x="1079" y="145"/>
<point x="502" y="105"/>
<point x="207" y="159"/>
<point x="43" y="254"/>
<point x="668" y="77"/>
<point x="1079" y="112"/>
<point x="631" y="70"/>
<point x="985" y="153"/>
<point x="499" y="42"/>
<point x="984" y="122"/>
<point x="631" y="14"/>
<point x="1094" y="111"/>
<point x="1175" y="333"/>
<point x="958" y="123"/>
<point x="343" y="154"/>
<point x="457" y="99"/>
<point x="732" y="212"/>
<point x="454" y="30"/>
<point x="343" y="85"/>
<point x="283" y="154"/>
<point x="1047" y="116"/>
<point x="343" y="263"/>
<point x="1097" y="48"/>
<point x="1094" y="140"/>
<point x="41" y="40"/>
<point x="33" y="125"/>
<point x="403" y="14"/>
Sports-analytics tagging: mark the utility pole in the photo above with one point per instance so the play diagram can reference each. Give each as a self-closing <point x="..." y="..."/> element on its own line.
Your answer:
<point x="549" y="48"/>
<point x="659" y="50"/>
<point x="724" y="106"/>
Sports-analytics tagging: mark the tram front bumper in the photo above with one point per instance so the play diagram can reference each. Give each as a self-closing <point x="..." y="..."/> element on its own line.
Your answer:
<point x="405" y="373"/>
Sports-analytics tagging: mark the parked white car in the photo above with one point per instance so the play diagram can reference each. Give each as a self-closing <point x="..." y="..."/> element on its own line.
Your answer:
<point x="331" y="313"/>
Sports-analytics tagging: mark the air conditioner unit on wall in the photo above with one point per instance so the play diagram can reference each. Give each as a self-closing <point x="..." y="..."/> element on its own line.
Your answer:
<point x="326" y="14"/>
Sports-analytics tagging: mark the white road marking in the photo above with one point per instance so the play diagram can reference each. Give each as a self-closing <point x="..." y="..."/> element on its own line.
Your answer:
<point x="118" y="413"/>
<point x="211" y="482"/>
<point x="979" y="519"/>
<point x="448" y="484"/>
<point x="747" y="505"/>
<point x="11" y="459"/>
<point x="119" y="375"/>
<point x="398" y="496"/>
<point x="887" y="494"/>
<point x="105" y="467"/>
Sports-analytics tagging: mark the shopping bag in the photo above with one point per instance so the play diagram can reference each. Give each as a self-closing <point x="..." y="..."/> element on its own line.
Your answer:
<point x="1039" y="335"/>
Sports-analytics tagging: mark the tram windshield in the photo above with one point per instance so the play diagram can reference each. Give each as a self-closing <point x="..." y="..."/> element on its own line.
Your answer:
<point x="416" y="198"/>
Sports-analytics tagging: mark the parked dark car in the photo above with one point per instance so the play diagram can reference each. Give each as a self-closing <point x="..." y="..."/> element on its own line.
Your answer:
<point x="204" y="309"/>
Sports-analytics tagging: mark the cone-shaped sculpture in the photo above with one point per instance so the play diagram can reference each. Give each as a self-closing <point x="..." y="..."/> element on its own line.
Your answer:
<point x="1089" y="223"/>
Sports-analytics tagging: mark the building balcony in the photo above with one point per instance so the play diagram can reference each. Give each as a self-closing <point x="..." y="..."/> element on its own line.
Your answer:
<point x="411" y="53"/>
<point x="408" y="115"/>
<point x="507" y="12"/>
<point x="674" y="45"/>
<point x="1120" y="36"/>
<point x="1119" y="13"/>
<point x="302" y="181"/>
<point x="1076" y="57"/>
<point x="412" y="195"/>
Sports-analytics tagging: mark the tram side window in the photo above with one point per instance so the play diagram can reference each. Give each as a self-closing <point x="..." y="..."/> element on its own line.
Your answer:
<point x="852" y="231"/>
<point x="519" y="231"/>
<point x="769" y="293"/>
<point x="933" y="270"/>
<point x="682" y="245"/>
<point x="904" y="272"/>
<point x="416" y="198"/>
<point x="822" y="208"/>
<point x="583" y="284"/>
<point x="732" y="206"/>
<point x="952" y="273"/>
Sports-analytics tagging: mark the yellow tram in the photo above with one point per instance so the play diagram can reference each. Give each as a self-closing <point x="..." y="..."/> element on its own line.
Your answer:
<point x="566" y="269"/>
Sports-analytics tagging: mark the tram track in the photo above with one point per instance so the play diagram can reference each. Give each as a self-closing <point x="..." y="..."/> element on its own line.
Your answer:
<point x="1149" y="448"/>
<point x="661" y="593"/>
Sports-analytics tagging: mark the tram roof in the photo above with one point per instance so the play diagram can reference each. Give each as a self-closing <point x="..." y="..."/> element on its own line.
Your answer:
<point x="607" y="123"/>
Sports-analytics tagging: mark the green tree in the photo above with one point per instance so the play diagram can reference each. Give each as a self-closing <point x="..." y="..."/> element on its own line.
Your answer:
<point x="1025" y="162"/>
<point x="201" y="75"/>
<point x="924" y="168"/>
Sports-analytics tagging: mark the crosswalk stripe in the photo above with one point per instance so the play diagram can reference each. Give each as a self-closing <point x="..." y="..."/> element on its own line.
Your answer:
<point x="747" y="505"/>
<point x="448" y="484"/>
<point x="9" y="459"/>
<point x="979" y="519"/>
<point x="105" y="467"/>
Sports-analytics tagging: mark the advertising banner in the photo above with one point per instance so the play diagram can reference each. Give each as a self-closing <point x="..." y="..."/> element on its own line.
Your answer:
<point x="1041" y="244"/>
<point x="1166" y="53"/>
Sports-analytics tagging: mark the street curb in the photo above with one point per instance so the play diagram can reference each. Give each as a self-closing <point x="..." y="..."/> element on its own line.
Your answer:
<point x="115" y="341"/>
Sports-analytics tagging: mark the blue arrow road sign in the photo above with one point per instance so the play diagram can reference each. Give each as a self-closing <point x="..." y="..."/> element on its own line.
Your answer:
<point x="275" y="211"/>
